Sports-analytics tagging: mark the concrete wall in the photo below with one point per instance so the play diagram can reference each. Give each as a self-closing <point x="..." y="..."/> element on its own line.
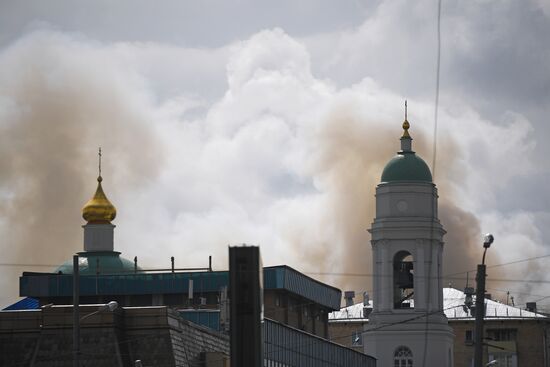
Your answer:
<point x="155" y="335"/>
<point x="19" y="335"/>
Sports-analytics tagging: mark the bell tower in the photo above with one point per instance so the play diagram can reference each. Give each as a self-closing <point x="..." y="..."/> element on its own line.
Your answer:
<point x="407" y="327"/>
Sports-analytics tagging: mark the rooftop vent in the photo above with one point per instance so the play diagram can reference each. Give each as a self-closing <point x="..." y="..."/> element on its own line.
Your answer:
<point x="349" y="296"/>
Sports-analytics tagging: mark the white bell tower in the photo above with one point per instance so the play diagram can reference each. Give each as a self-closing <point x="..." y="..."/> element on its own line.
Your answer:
<point x="407" y="327"/>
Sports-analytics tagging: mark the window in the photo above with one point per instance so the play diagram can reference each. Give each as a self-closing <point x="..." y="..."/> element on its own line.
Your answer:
<point x="403" y="357"/>
<point x="469" y="337"/>
<point x="504" y="359"/>
<point x="502" y="335"/>
<point x="403" y="280"/>
<point x="357" y="338"/>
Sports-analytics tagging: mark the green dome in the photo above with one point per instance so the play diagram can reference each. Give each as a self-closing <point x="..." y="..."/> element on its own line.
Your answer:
<point x="406" y="166"/>
<point x="110" y="262"/>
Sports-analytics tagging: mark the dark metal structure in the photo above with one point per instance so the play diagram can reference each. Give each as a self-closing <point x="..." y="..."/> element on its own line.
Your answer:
<point x="246" y="307"/>
<point x="287" y="346"/>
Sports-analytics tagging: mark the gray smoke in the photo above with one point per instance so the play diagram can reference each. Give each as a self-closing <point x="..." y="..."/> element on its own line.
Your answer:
<point x="354" y="154"/>
<point x="59" y="101"/>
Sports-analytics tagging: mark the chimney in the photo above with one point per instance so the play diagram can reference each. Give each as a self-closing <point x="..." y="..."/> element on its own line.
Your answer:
<point x="366" y="298"/>
<point x="531" y="306"/>
<point x="349" y="296"/>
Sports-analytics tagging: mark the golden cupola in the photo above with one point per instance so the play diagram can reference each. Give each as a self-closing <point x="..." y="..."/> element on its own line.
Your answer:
<point x="99" y="209"/>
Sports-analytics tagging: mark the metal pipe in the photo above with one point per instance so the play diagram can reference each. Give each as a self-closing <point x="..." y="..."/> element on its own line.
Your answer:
<point x="484" y="253"/>
<point x="76" y="315"/>
<point x="169" y="269"/>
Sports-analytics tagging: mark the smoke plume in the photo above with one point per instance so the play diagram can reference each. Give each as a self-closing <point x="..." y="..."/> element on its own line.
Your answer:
<point x="352" y="153"/>
<point x="283" y="160"/>
<point x="60" y="100"/>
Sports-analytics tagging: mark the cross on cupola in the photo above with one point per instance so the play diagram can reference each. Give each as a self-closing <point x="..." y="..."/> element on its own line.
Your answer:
<point x="406" y="140"/>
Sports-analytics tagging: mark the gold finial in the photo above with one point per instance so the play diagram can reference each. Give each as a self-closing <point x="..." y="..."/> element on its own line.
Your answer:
<point x="99" y="209"/>
<point x="406" y="124"/>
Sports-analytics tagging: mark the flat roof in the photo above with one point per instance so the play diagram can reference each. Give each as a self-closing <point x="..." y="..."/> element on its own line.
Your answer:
<point x="281" y="277"/>
<point x="453" y="301"/>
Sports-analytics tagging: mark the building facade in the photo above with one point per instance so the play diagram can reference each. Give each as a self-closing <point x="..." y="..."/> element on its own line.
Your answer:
<point x="156" y="336"/>
<point x="407" y="325"/>
<point x="514" y="337"/>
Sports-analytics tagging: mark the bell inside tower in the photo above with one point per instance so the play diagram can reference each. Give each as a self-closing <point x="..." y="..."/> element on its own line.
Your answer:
<point x="403" y="280"/>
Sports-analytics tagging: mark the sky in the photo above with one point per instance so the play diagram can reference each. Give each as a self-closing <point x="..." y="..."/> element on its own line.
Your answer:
<point x="269" y="123"/>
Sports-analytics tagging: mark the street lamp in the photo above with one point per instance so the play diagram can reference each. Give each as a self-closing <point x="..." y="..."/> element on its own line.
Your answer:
<point x="111" y="306"/>
<point x="480" y="302"/>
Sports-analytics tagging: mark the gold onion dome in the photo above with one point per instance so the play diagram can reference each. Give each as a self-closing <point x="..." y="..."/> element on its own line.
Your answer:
<point x="99" y="209"/>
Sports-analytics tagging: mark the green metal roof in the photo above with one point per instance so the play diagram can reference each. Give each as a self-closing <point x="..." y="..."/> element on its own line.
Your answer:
<point x="103" y="262"/>
<point x="406" y="166"/>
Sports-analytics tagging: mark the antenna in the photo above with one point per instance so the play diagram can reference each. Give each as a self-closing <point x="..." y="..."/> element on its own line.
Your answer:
<point x="405" y="110"/>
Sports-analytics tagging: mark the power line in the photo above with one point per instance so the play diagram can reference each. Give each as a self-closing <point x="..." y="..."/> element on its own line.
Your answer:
<point x="451" y="276"/>
<point x="436" y="111"/>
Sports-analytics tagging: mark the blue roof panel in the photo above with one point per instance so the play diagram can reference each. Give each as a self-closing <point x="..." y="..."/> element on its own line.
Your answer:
<point x="27" y="303"/>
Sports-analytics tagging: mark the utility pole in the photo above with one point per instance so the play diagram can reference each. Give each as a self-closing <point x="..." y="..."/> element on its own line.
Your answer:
<point x="480" y="313"/>
<point x="480" y="303"/>
<point x="76" y="314"/>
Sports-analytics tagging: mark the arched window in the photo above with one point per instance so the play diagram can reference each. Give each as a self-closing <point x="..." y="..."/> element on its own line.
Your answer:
<point x="403" y="280"/>
<point x="403" y="357"/>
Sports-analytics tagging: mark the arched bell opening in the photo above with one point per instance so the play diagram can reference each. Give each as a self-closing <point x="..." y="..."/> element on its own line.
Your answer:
<point x="403" y="280"/>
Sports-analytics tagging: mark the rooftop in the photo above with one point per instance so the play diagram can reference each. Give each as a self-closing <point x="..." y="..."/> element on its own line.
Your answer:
<point x="280" y="277"/>
<point x="453" y="300"/>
